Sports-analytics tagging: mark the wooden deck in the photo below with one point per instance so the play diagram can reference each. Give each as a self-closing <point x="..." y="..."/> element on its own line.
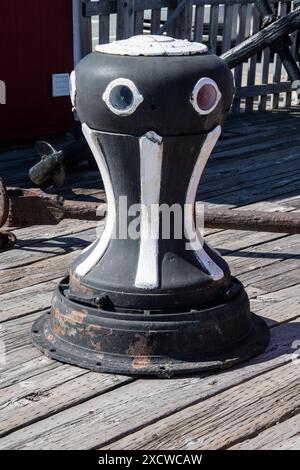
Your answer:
<point x="48" y="405"/>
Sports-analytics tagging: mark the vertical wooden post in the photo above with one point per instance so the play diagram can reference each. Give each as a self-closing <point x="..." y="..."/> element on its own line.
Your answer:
<point x="139" y="22"/>
<point x="125" y="19"/>
<point x="253" y="60"/>
<point x="213" y="28"/>
<point x="82" y="32"/>
<point x="199" y="23"/>
<point x="104" y="26"/>
<point x="227" y="28"/>
<point x="171" y="29"/>
<point x="155" y="21"/>
<point x="265" y="76"/>
<point x="238" y="71"/>
<point x="184" y="22"/>
<point x="86" y="33"/>
<point x="181" y="26"/>
<point x="278" y="63"/>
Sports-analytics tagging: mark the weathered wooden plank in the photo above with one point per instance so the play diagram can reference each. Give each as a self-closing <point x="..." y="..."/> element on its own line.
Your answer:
<point x="38" y="296"/>
<point x="276" y="115"/>
<point x="25" y="363"/>
<point x="241" y="194"/>
<point x="26" y="370"/>
<point x="45" y="249"/>
<point x="279" y="306"/>
<point x="256" y="148"/>
<point x="221" y="420"/>
<point x="65" y="227"/>
<point x="51" y="392"/>
<point x="280" y="436"/>
<point x="10" y="322"/>
<point x="38" y="268"/>
<point x="21" y="359"/>
<point x="44" y="270"/>
<point x="15" y="334"/>
<point x="136" y="404"/>
<point x="265" y="254"/>
<point x="251" y="149"/>
<point x="227" y="159"/>
<point x="234" y="242"/>
<point x="250" y="91"/>
<point x="254" y="193"/>
<point x="276" y="276"/>
<point x="232" y="136"/>
<point x="27" y="300"/>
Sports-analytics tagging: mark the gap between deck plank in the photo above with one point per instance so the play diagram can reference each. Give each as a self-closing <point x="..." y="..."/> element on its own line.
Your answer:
<point x="283" y="435"/>
<point x="284" y="345"/>
<point x="224" y="419"/>
<point x="136" y="405"/>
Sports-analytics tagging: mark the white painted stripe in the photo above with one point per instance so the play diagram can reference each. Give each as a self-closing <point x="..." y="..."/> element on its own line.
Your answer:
<point x="151" y="152"/>
<point x="102" y="244"/>
<point x="189" y="214"/>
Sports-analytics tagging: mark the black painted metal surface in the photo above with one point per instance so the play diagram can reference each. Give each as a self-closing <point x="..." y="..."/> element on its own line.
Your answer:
<point x="132" y="305"/>
<point x="151" y="343"/>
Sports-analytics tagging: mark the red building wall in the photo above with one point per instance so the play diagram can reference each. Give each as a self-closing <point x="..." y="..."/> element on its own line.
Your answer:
<point x="36" y="41"/>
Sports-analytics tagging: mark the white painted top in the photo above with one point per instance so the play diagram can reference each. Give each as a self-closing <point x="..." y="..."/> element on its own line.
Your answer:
<point x="152" y="45"/>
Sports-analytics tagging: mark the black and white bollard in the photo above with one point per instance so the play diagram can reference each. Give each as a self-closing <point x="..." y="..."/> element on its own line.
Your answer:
<point x="150" y="296"/>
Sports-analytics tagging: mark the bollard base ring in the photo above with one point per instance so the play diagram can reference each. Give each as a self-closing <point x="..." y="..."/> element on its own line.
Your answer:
<point x="160" y="344"/>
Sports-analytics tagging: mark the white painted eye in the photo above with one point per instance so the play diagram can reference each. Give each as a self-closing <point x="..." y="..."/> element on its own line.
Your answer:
<point x="73" y="88"/>
<point x="122" y="97"/>
<point x="206" y="96"/>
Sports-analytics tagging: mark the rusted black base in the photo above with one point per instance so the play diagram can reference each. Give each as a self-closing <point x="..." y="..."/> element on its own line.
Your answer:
<point x="151" y="343"/>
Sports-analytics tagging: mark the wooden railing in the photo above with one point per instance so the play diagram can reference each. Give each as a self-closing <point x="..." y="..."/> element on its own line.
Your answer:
<point x="261" y="82"/>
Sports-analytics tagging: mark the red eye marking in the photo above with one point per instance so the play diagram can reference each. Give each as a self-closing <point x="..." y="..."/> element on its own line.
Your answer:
<point x="207" y="97"/>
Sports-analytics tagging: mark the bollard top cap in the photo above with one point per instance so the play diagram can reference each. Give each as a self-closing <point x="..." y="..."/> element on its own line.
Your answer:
<point x="152" y="45"/>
